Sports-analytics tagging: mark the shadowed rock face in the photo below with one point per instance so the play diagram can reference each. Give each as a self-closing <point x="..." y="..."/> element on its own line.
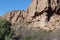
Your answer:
<point x="44" y="14"/>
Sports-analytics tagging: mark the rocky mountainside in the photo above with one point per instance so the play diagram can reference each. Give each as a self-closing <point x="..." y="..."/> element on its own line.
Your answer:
<point x="44" y="14"/>
<point x="15" y="16"/>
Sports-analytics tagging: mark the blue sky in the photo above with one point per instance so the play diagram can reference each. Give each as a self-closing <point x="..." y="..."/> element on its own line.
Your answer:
<point x="9" y="5"/>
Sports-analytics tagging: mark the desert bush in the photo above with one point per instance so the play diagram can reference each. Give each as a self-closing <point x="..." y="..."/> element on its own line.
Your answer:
<point x="5" y="30"/>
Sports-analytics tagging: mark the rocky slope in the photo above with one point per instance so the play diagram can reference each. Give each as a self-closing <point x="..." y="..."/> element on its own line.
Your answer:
<point x="15" y="16"/>
<point x="44" y="14"/>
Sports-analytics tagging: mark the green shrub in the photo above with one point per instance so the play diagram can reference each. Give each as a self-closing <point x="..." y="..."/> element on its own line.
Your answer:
<point x="5" y="29"/>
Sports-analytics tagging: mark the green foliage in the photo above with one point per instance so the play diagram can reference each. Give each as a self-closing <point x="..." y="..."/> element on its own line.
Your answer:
<point x="5" y="29"/>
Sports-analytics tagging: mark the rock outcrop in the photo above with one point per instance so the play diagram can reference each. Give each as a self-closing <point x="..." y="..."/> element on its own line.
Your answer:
<point x="16" y="16"/>
<point x="44" y="14"/>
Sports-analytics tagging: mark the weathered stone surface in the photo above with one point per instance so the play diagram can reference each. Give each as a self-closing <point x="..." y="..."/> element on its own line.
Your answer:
<point x="40" y="13"/>
<point x="42" y="5"/>
<point x="36" y="6"/>
<point x="44" y="14"/>
<point x="54" y="4"/>
<point x="16" y="16"/>
<point x="54" y="22"/>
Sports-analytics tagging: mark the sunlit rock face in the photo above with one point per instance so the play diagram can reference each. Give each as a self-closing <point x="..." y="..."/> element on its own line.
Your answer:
<point x="36" y="6"/>
<point x="16" y="16"/>
<point x="44" y="14"/>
